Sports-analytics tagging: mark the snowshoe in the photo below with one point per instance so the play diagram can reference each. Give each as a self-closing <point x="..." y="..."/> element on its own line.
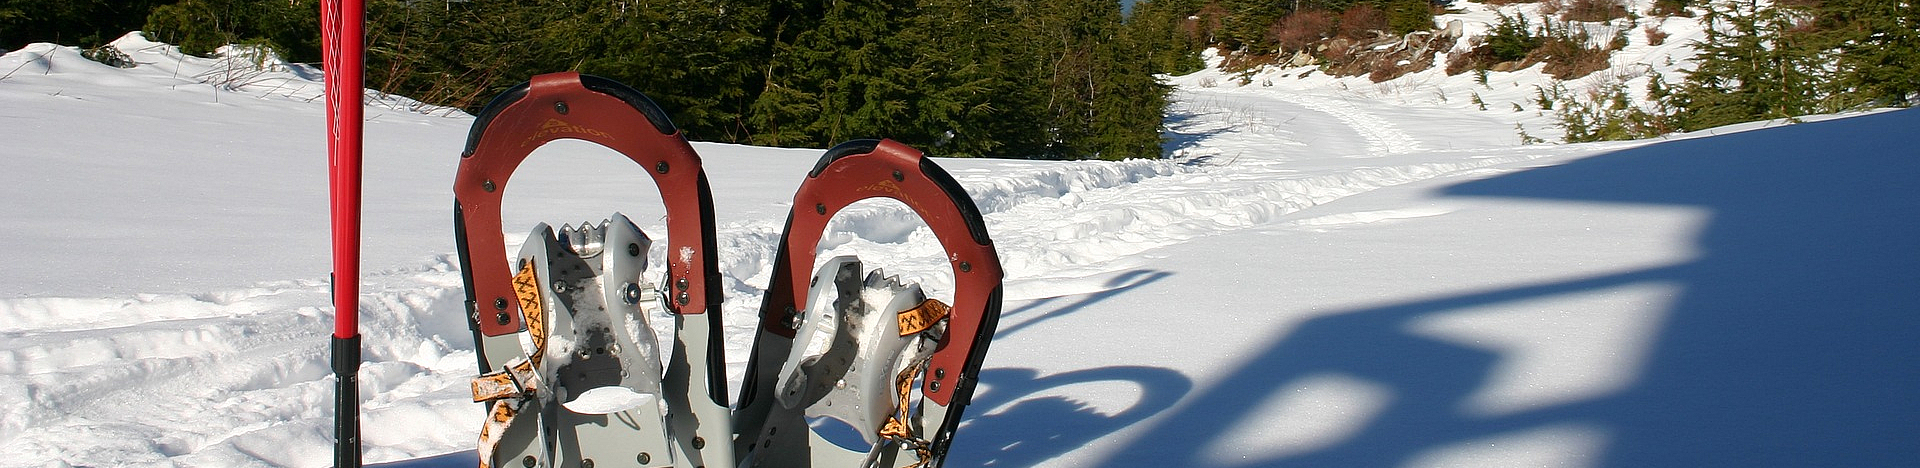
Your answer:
<point x="571" y="372"/>
<point x="842" y="349"/>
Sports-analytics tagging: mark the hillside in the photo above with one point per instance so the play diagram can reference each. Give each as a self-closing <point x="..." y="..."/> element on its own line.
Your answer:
<point x="1322" y="274"/>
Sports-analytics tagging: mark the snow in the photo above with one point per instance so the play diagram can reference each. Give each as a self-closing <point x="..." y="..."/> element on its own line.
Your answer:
<point x="1327" y="273"/>
<point x="608" y="400"/>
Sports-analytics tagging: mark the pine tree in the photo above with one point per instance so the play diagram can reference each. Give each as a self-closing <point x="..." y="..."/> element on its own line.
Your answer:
<point x="1879" y="48"/>
<point x="1103" y="101"/>
<point x="199" y="27"/>
<point x="830" y="82"/>
<point x="1754" y="65"/>
<point x="1169" y="39"/>
<point x="70" y="22"/>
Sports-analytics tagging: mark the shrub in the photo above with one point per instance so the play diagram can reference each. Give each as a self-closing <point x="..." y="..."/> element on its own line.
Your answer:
<point x="109" y="55"/>
<point x="1670" y="8"/>
<point x="1607" y="114"/>
<point x="1361" y="21"/>
<point x="1511" y="40"/>
<point x="1592" y="11"/>
<point x="1406" y="16"/>
<point x="1301" y="29"/>
<point x="1569" y="53"/>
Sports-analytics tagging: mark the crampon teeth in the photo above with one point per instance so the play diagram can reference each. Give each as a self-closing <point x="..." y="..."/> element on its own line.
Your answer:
<point x="878" y="278"/>
<point x="588" y="240"/>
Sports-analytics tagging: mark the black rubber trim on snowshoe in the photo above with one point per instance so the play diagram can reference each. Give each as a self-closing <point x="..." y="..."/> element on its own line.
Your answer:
<point x="849" y="148"/>
<point x="466" y="287"/>
<point x="976" y="225"/>
<point x="639" y="101"/>
<point x="493" y="109"/>
<point x="969" y="376"/>
<point x="716" y="349"/>
<point x="633" y="97"/>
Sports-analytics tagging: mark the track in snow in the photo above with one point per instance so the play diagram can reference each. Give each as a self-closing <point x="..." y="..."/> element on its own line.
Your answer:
<point x="232" y="377"/>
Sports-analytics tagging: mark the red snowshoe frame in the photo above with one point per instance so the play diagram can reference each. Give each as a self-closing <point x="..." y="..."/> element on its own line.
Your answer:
<point x="865" y="169"/>
<point x="583" y="107"/>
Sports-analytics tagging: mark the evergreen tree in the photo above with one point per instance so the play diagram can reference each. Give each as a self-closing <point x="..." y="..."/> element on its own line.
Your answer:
<point x="696" y="58"/>
<point x="967" y="66"/>
<point x="291" y="29"/>
<point x="1879" y="48"/>
<point x="832" y="82"/>
<point x="1171" y="41"/>
<point x="1132" y="103"/>
<point x="1754" y="65"/>
<point x="70" y="22"/>
<point x="1101" y="90"/>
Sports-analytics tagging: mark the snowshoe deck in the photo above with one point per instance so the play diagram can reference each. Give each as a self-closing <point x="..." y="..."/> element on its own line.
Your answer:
<point x="552" y="325"/>
<point x="572" y="374"/>
<point x="883" y="337"/>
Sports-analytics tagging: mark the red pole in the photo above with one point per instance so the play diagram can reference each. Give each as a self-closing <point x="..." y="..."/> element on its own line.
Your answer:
<point x="342" y="31"/>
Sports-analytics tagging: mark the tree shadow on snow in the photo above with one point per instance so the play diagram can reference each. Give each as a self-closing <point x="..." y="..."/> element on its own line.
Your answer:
<point x="1178" y="137"/>
<point x="1116" y="286"/>
<point x="1792" y="342"/>
<point x="1021" y="419"/>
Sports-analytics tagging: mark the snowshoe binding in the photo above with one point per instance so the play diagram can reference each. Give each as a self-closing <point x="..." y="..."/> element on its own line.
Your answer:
<point x="858" y="347"/>
<point x="572" y="373"/>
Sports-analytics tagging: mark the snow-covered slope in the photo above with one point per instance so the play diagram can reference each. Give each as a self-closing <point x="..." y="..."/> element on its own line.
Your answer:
<point x="1510" y="97"/>
<point x="1318" y="278"/>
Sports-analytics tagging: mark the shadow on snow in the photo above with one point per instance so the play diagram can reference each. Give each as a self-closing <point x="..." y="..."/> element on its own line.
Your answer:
<point x="1792" y="341"/>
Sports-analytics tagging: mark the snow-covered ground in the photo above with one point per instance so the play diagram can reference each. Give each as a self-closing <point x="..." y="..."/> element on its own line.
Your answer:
<point x="1320" y="277"/>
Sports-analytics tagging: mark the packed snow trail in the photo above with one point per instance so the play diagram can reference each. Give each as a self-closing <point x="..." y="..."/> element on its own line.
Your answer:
<point x="244" y="376"/>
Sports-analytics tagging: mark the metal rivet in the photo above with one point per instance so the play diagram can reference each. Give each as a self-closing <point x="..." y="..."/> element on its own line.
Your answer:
<point x="630" y="294"/>
<point x="966" y="267"/>
<point x="644" y="458"/>
<point x="488" y="186"/>
<point x="529" y="461"/>
<point x="940" y="373"/>
<point x="587" y="463"/>
<point x="681" y="283"/>
<point x="633" y="250"/>
<point x="560" y="106"/>
<point x="817" y="208"/>
<point x="699" y="443"/>
<point x="660" y="167"/>
<point x="502" y="318"/>
<point x="936" y="385"/>
<point x="684" y="298"/>
<point x="560" y="287"/>
<point x="500" y="303"/>
<point x="897" y="176"/>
